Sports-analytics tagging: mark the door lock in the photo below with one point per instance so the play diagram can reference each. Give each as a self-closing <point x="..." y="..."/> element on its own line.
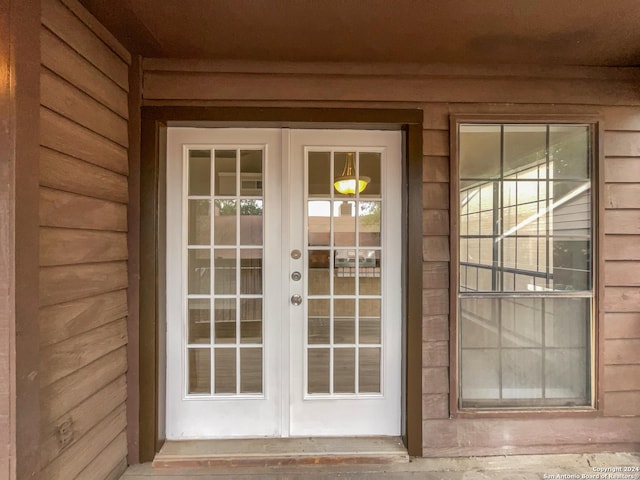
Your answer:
<point x="296" y="299"/>
<point x="296" y="254"/>
<point x="296" y="276"/>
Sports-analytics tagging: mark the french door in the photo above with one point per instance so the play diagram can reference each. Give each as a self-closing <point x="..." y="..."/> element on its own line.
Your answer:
<point x="284" y="312"/>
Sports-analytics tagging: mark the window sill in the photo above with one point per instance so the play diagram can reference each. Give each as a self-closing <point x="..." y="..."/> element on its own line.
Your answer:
<point x="550" y="412"/>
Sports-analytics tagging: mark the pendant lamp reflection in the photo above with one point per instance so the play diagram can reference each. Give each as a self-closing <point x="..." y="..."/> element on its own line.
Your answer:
<point x="347" y="182"/>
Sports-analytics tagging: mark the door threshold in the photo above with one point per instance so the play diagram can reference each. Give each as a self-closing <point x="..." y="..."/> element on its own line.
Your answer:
<point x="264" y="452"/>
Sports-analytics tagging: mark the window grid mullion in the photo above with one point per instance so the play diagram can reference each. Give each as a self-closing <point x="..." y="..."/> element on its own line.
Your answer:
<point x="566" y="273"/>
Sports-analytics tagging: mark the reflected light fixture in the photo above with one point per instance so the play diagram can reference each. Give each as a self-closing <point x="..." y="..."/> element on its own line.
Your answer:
<point x="346" y="183"/>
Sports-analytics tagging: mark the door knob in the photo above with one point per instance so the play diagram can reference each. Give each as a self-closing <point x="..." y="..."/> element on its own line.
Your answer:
<point x="296" y="299"/>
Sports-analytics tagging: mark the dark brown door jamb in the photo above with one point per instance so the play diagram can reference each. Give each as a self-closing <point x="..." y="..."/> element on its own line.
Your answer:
<point x="153" y="133"/>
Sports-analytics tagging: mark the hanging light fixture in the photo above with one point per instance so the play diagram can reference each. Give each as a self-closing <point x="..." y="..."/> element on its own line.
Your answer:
<point x="347" y="182"/>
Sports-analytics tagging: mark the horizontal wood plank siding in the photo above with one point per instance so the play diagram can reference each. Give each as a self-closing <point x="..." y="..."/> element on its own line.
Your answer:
<point x="61" y="359"/>
<point x="83" y="245"/>
<point x="74" y="389"/>
<point x="83" y="418"/>
<point x="175" y="85"/>
<point x="68" y="174"/>
<point x="66" y="246"/>
<point x="609" y="94"/>
<point x="62" y="97"/>
<point x="65" y="320"/>
<point x="102" y="465"/>
<point x="70" y="210"/>
<point x="80" y="455"/>
<point x="64" y="20"/>
<point x="621" y="329"/>
<point x="488" y="436"/>
<point x="60" y="58"/>
<point x="65" y="136"/>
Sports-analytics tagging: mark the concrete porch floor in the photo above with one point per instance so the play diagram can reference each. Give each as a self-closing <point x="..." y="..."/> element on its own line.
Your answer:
<point x="518" y="467"/>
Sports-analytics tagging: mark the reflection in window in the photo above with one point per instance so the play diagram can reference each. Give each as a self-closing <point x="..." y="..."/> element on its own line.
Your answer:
<point x="525" y="262"/>
<point x="344" y="271"/>
<point x="224" y="244"/>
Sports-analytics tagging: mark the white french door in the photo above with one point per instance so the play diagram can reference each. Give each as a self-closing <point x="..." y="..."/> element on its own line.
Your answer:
<point x="284" y="310"/>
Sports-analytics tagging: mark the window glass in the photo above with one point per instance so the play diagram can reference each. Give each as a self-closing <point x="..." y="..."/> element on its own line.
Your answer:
<point x="526" y="265"/>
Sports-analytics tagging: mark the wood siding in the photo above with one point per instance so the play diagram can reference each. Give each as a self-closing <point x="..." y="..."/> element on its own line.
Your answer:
<point x="621" y="328"/>
<point x="19" y="104"/>
<point x="83" y="246"/>
<point x="611" y="94"/>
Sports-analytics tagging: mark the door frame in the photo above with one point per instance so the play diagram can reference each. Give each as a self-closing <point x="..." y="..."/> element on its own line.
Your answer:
<point x="150" y="251"/>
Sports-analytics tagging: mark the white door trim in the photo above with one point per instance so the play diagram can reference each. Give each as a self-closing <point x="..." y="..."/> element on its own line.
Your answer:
<point x="351" y="414"/>
<point x="190" y="417"/>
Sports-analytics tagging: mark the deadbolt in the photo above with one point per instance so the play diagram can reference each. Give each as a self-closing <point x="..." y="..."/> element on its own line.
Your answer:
<point x="296" y="276"/>
<point x="296" y="299"/>
<point x="296" y="254"/>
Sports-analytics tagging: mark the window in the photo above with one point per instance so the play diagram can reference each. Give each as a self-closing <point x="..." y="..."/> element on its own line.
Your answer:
<point x="525" y="296"/>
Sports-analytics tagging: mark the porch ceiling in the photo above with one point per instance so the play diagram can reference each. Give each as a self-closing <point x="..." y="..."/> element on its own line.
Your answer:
<point x="561" y="32"/>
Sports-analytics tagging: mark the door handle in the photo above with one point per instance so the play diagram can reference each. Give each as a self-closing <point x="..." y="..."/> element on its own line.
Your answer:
<point x="296" y="299"/>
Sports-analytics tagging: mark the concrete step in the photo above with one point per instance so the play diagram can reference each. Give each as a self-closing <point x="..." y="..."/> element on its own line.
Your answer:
<point x="281" y="452"/>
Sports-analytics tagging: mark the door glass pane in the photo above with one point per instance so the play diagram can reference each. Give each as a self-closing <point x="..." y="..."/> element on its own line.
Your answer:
<point x="200" y="172"/>
<point x="319" y="272"/>
<point x="251" y="173"/>
<point x="369" y="218"/>
<point x="225" y="370"/>
<point x="251" y="271"/>
<point x="199" y="320"/>
<point x="251" y="320"/>
<point x="369" y="320"/>
<point x="225" y="270"/>
<point x="319" y="223"/>
<point x="344" y="273"/>
<point x="199" y="370"/>
<point x="199" y="222"/>
<point x="319" y="174"/>
<point x="225" y="320"/>
<point x="233" y="211"/>
<point x="350" y="230"/>
<point x="344" y="370"/>
<point x="251" y="370"/>
<point x="319" y="321"/>
<point x="199" y="269"/>
<point x="369" y="370"/>
<point x="251" y="222"/>
<point x="369" y="272"/>
<point x="345" y="169"/>
<point x="318" y="370"/>
<point x="369" y="170"/>
<point x="344" y="321"/>
<point x="225" y="222"/>
<point x="344" y="224"/>
<point x="225" y="168"/>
